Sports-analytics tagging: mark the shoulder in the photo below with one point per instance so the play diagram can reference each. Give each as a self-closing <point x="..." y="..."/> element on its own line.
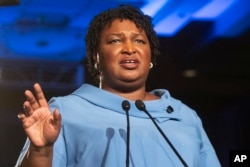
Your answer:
<point x="184" y="112"/>
<point x="73" y="100"/>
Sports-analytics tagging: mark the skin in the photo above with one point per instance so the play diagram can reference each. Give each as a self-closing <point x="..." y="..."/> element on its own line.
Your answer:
<point x="122" y="42"/>
<point x="125" y="57"/>
<point x="41" y="126"/>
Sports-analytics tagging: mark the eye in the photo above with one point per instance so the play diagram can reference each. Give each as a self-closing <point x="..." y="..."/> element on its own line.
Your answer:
<point x="114" y="41"/>
<point x="140" y="41"/>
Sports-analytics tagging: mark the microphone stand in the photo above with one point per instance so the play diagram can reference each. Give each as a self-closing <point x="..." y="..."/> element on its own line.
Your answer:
<point x="126" y="107"/>
<point x="141" y="106"/>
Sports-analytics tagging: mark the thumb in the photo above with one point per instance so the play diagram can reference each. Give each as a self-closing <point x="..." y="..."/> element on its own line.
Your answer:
<point x="57" y="119"/>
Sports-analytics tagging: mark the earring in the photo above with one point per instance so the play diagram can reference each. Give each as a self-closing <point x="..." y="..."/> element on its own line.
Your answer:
<point x="100" y="81"/>
<point x="97" y="62"/>
<point x="151" y="65"/>
<point x="97" y="57"/>
<point x="95" y="66"/>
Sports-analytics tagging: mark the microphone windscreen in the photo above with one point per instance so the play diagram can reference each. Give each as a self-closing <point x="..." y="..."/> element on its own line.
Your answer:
<point x="125" y="105"/>
<point x="140" y="105"/>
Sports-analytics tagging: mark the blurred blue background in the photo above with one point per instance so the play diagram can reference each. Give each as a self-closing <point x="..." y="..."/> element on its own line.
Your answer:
<point x="205" y="46"/>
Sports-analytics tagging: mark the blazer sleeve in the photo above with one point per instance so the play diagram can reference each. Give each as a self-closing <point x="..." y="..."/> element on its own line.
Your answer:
<point x="208" y="155"/>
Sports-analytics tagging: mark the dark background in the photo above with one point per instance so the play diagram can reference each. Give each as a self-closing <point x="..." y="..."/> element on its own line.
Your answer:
<point x="219" y="91"/>
<point x="220" y="94"/>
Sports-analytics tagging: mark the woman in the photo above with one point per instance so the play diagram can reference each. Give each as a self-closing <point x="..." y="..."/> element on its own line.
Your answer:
<point x="91" y="126"/>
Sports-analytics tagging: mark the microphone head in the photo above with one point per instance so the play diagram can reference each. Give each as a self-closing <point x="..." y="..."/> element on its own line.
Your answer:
<point x="125" y="105"/>
<point x="140" y="105"/>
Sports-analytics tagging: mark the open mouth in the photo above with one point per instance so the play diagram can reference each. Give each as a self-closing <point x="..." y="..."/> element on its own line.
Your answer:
<point x="129" y="64"/>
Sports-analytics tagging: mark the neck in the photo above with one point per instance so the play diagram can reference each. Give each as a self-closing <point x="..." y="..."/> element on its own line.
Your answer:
<point x="132" y="94"/>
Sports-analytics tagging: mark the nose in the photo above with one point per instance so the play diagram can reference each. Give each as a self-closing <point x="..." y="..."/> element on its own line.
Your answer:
<point x="128" y="48"/>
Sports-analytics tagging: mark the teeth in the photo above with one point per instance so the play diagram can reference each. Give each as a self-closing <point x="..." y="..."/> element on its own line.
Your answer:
<point x="130" y="61"/>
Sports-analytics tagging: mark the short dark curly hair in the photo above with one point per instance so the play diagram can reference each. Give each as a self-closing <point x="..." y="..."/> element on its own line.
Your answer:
<point x="105" y="18"/>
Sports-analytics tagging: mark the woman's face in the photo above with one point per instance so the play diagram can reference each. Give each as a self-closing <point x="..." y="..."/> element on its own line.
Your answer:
<point x="125" y="56"/>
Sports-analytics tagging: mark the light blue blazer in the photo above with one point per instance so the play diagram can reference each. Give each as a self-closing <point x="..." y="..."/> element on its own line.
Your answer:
<point x="94" y="132"/>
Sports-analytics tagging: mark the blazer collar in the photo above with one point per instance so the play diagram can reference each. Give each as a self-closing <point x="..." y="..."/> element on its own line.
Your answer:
<point x="157" y="108"/>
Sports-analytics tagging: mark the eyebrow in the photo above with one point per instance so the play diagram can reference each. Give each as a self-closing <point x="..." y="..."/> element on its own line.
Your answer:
<point x="122" y="34"/>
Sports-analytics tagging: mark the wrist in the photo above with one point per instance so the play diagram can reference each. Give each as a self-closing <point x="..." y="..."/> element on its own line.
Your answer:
<point x="38" y="156"/>
<point x="44" y="151"/>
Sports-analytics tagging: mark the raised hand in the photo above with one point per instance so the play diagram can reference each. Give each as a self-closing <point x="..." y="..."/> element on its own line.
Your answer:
<point x="40" y="124"/>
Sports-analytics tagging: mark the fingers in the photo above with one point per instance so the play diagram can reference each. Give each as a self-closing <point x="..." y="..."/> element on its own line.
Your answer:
<point x="57" y="119"/>
<point x="31" y="100"/>
<point x="40" y="96"/>
<point x="21" y="116"/>
<point x="27" y="109"/>
<point x="37" y="100"/>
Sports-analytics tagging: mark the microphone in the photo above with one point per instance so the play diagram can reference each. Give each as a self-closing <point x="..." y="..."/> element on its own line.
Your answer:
<point x="126" y="107"/>
<point x="123" y="135"/>
<point x="141" y="106"/>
